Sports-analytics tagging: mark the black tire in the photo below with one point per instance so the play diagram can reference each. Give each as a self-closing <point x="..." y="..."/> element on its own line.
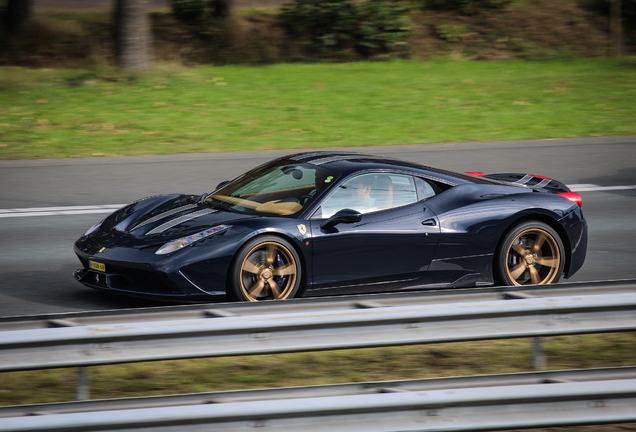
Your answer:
<point x="265" y="268"/>
<point x="530" y="253"/>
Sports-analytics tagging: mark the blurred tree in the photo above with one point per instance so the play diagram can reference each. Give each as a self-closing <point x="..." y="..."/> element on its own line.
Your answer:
<point x="17" y="16"/>
<point x="133" y="37"/>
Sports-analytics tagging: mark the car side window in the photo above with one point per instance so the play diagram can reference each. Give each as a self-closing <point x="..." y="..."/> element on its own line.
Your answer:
<point x="428" y="188"/>
<point x="371" y="192"/>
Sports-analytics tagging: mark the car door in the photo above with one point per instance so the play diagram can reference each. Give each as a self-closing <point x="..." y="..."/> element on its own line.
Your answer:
<point x="390" y="247"/>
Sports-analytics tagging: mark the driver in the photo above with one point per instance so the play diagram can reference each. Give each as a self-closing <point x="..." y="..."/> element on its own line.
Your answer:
<point x="361" y="197"/>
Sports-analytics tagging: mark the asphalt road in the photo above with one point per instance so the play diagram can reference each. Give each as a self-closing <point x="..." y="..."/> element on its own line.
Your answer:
<point x="36" y="257"/>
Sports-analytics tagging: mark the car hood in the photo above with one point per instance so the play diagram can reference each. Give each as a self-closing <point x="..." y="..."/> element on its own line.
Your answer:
<point x="160" y="218"/>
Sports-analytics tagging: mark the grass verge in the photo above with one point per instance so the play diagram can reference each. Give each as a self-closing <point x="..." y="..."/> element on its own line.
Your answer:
<point x="329" y="367"/>
<point x="53" y="113"/>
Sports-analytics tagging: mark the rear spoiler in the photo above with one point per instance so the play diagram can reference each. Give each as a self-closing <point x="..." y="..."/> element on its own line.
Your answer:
<point x="532" y="181"/>
<point x="535" y="182"/>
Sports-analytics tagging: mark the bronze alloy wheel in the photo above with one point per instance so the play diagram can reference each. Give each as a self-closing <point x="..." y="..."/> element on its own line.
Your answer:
<point x="268" y="271"/>
<point x="530" y="253"/>
<point x="533" y="257"/>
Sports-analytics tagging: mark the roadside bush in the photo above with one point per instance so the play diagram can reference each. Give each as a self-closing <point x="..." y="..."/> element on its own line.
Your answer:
<point x="197" y="10"/>
<point x="188" y="10"/>
<point x="466" y="7"/>
<point x="628" y="7"/>
<point x="383" y="27"/>
<point x="628" y="13"/>
<point x="327" y="27"/>
<point x="602" y="7"/>
<point x="451" y="32"/>
<point x="207" y="24"/>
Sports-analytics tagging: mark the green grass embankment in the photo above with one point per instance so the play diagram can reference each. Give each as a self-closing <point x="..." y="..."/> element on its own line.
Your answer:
<point x="75" y="113"/>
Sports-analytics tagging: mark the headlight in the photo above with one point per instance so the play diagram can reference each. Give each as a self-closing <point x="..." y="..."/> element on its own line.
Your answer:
<point x="185" y="241"/>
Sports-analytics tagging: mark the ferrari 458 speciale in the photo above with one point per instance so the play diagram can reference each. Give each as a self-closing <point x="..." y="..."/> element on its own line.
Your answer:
<point x="329" y="223"/>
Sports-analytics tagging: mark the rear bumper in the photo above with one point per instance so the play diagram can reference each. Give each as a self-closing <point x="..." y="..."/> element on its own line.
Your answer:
<point x="578" y="243"/>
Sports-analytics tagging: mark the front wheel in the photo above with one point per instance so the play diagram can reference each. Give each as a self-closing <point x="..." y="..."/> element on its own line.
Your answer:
<point x="266" y="268"/>
<point x="529" y="254"/>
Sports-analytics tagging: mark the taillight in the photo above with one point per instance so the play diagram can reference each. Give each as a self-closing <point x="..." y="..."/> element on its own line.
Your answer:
<point x="475" y="173"/>
<point x="572" y="196"/>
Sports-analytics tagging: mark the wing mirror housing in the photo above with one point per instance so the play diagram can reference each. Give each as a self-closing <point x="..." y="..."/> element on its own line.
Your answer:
<point x="343" y="216"/>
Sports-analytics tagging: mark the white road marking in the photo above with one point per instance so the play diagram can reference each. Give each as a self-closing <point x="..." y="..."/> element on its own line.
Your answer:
<point x="597" y="188"/>
<point x="58" y="211"/>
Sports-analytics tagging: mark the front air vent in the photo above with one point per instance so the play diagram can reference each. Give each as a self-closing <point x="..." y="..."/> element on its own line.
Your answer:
<point x="151" y="249"/>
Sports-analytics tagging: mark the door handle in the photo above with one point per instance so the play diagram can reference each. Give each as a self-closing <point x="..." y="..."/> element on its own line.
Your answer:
<point x="429" y="222"/>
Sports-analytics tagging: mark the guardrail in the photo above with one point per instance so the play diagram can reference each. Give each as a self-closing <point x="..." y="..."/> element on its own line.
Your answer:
<point x="464" y="409"/>
<point x="326" y="330"/>
<point x="86" y="339"/>
<point x="599" y="376"/>
<point x="441" y="296"/>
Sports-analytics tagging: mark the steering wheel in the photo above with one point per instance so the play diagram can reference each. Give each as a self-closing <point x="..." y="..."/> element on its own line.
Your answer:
<point x="305" y="199"/>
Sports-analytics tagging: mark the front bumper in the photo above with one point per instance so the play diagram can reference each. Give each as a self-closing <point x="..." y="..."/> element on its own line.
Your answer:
<point x="139" y="274"/>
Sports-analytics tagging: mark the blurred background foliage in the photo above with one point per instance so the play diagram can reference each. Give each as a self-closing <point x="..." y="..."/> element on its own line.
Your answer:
<point x="272" y="31"/>
<point x="335" y="27"/>
<point x="602" y="7"/>
<point x="466" y="7"/>
<point x="198" y="10"/>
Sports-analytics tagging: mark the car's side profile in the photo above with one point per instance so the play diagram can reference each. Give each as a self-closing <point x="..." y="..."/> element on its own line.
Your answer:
<point x="326" y="223"/>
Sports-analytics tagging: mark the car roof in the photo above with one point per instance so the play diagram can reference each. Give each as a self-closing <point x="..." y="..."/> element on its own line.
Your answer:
<point x="348" y="163"/>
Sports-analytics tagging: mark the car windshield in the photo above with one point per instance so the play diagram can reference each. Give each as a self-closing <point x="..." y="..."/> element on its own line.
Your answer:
<point x="282" y="188"/>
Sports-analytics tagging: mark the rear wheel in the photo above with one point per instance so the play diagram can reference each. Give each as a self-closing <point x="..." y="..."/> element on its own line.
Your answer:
<point x="266" y="268"/>
<point x="529" y="254"/>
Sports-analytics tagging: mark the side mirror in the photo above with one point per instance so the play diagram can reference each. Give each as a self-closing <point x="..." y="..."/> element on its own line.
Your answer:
<point x="223" y="183"/>
<point x="343" y="216"/>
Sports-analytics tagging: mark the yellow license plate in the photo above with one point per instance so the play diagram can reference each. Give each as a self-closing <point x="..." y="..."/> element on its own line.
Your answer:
<point x="97" y="266"/>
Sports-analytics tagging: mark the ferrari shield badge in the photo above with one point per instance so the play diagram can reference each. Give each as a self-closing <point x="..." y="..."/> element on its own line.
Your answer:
<point x="302" y="229"/>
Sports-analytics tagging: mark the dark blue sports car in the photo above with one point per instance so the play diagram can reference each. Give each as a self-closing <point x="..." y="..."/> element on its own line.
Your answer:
<point x="326" y="223"/>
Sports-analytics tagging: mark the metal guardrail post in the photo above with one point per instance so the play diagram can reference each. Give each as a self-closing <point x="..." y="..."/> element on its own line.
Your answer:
<point x="538" y="355"/>
<point x="82" y="384"/>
